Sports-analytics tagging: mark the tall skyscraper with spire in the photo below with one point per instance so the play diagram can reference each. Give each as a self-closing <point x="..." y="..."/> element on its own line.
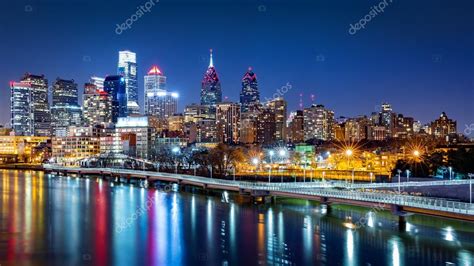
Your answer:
<point x="127" y="67"/>
<point x="211" y="92"/>
<point x="249" y="94"/>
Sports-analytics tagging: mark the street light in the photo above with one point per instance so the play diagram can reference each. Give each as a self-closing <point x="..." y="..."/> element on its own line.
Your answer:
<point x="408" y="175"/>
<point x="271" y="153"/>
<point x="255" y="161"/>
<point x="399" y="172"/>
<point x="450" y="172"/>
<point x="269" y="172"/>
<point x="349" y="153"/>
<point x="416" y="153"/>
<point x="282" y="153"/>
<point x="175" y="150"/>
<point x="371" y="174"/>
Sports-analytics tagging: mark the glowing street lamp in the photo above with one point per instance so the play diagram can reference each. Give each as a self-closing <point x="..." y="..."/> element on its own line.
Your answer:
<point x="255" y="162"/>
<point x="349" y="152"/>
<point x="175" y="150"/>
<point x="282" y="153"/>
<point x="271" y="153"/>
<point x="416" y="153"/>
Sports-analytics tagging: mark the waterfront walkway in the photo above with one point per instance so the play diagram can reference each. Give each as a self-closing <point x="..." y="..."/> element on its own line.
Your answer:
<point x="324" y="192"/>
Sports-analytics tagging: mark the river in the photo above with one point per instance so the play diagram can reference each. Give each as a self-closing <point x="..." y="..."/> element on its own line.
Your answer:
<point x="49" y="220"/>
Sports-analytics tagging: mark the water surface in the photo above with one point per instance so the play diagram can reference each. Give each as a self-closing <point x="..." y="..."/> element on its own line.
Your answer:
<point x="48" y="220"/>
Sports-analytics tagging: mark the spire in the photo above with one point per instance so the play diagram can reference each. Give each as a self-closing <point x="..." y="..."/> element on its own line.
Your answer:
<point x="211" y="62"/>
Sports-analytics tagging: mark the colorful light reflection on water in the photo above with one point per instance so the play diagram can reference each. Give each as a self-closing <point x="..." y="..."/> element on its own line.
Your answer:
<point x="46" y="220"/>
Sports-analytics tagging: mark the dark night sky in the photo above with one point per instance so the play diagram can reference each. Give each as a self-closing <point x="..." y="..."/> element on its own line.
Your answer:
<point x="417" y="55"/>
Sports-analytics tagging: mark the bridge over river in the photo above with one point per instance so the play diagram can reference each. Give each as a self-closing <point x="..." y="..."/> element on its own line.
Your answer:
<point x="325" y="192"/>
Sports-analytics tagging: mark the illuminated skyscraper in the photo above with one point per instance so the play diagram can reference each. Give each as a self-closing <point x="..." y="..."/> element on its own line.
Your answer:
<point x="211" y="92"/>
<point x="115" y="87"/>
<point x="249" y="94"/>
<point x="21" y="109"/>
<point x="228" y="122"/>
<point x="40" y="112"/>
<point x="98" y="82"/>
<point x="65" y="110"/>
<point x="318" y="122"/>
<point x="127" y="67"/>
<point x="97" y="105"/>
<point x="158" y="101"/>
<point x="278" y="106"/>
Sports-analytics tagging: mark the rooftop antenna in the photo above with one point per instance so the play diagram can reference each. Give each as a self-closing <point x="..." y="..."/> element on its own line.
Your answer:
<point x="301" y="101"/>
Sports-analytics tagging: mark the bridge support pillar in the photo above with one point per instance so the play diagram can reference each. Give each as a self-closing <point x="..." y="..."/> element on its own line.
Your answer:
<point x="402" y="223"/>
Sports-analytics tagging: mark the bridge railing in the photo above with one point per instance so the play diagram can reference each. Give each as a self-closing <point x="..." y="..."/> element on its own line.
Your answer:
<point x="402" y="200"/>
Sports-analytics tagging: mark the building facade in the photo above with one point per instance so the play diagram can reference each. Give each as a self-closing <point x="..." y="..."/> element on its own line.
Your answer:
<point x="30" y="112"/>
<point x="318" y="122"/>
<point x="97" y="105"/>
<point x="127" y="68"/>
<point x="211" y="92"/>
<point x="65" y="110"/>
<point x="249" y="94"/>
<point x="279" y="108"/>
<point x="228" y="122"/>
<point x="115" y="87"/>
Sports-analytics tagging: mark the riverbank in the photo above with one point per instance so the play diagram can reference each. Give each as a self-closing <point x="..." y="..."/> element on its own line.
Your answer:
<point x="22" y="166"/>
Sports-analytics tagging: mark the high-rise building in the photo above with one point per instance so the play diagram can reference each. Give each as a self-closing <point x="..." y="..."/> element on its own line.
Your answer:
<point x="127" y="67"/>
<point x="318" y="122"/>
<point x="356" y="129"/>
<point x="21" y="109"/>
<point x="115" y="87"/>
<point x="98" y="82"/>
<point x="249" y="127"/>
<point x="443" y="127"/>
<point x="97" y="105"/>
<point x="296" y="127"/>
<point x="138" y="133"/>
<point x="65" y="110"/>
<point x="249" y="94"/>
<point x="228" y="122"/>
<point x="279" y="108"/>
<point x="388" y="119"/>
<point x="211" y="93"/>
<point x="403" y="127"/>
<point x="158" y="101"/>
<point x="266" y="126"/>
<point x="206" y="131"/>
<point x="196" y="112"/>
<point x="41" y="114"/>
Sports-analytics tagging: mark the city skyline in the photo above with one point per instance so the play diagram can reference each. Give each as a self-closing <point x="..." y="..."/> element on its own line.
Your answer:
<point x="307" y="44"/>
<point x="210" y="74"/>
